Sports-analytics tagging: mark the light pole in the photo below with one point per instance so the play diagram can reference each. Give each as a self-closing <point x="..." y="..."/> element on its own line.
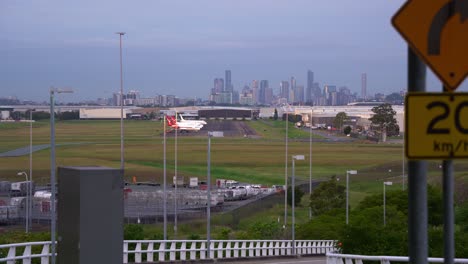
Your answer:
<point x="122" y="166"/>
<point x="347" y="192"/>
<point x="293" y="201"/>
<point x="176" y="181"/>
<point x="53" y="213"/>
<point x="384" y="212"/>
<point x="27" y="201"/>
<point x="164" y="182"/>
<point x="30" y="168"/>
<point x="286" y="172"/>
<point x="208" y="183"/>
<point x="310" y="164"/>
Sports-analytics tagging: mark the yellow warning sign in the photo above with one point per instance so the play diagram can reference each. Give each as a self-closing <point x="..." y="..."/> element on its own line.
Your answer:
<point x="437" y="30"/>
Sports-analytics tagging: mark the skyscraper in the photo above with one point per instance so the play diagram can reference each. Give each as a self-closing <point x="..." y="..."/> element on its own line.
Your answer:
<point x="364" y="86"/>
<point x="263" y="92"/>
<point x="284" y="90"/>
<point x="310" y="84"/>
<point x="228" y="86"/>
<point x="255" y="91"/>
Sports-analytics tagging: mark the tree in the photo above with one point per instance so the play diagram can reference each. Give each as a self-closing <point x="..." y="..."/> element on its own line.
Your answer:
<point x="275" y="116"/>
<point x="347" y="130"/>
<point x="339" y="120"/>
<point x="327" y="196"/>
<point x="384" y="118"/>
<point x="298" y="193"/>
<point x="395" y="98"/>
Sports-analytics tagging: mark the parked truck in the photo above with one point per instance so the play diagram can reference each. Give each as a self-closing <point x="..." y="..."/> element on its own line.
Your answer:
<point x="178" y="181"/>
<point x="21" y="188"/>
<point x="193" y="182"/>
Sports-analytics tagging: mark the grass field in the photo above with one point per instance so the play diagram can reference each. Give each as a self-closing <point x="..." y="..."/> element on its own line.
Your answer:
<point x="244" y="159"/>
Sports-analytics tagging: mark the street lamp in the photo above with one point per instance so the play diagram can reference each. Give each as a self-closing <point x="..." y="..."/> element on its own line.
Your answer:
<point x="208" y="182"/>
<point x="30" y="167"/>
<point x="294" y="157"/>
<point x="286" y="169"/>
<point x="384" y="212"/>
<point x="122" y="166"/>
<point x="176" y="181"/>
<point x="27" y="200"/>
<point x="52" y="167"/>
<point x="347" y="192"/>
<point x="310" y="163"/>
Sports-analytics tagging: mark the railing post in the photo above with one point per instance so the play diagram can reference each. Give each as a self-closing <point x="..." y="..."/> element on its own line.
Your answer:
<point x="212" y="247"/>
<point x="162" y="251"/>
<point x="277" y="248"/>
<point x="183" y="252"/>
<point x="271" y="245"/>
<point x="251" y="249"/>
<point x="228" y="249"/>
<point x="220" y="249"/>
<point x="283" y="249"/>
<point x="150" y="254"/>
<point x="172" y="254"/>
<point x="258" y="246"/>
<point x="46" y="252"/>
<point x="193" y="251"/>
<point x="203" y="250"/>
<point x="243" y="249"/>
<point x="138" y="253"/>
<point x="27" y="253"/>
<point x="11" y="254"/>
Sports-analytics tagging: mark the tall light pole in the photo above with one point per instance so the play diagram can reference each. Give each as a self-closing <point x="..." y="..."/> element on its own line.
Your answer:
<point x="122" y="166"/>
<point x="164" y="182"/>
<point x="53" y="213"/>
<point x="26" y="218"/>
<point x="347" y="192"/>
<point x="310" y="164"/>
<point x="384" y="198"/>
<point x="176" y="181"/>
<point x="286" y="174"/>
<point x="30" y="168"/>
<point x="403" y="165"/>
<point x="293" y="201"/>
<point x="208" y="183"/>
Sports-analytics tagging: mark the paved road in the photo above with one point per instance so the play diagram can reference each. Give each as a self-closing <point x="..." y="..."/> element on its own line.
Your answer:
<point x="25" y="151"/>
<point x="302" y="260"/>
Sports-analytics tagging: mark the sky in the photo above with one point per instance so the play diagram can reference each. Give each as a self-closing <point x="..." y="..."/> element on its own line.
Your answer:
<point x="178" y="47"/>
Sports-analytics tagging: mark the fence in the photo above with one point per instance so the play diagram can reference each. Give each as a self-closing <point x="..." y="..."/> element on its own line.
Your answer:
<point x="144" y="251"/>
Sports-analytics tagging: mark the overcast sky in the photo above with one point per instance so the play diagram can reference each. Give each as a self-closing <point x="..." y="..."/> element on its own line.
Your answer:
<point x="179" y="47"/>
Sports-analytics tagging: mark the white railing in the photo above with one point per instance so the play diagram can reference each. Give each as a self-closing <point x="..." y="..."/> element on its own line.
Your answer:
<point x="357" y="259"/>
<point x="143" y="251"/>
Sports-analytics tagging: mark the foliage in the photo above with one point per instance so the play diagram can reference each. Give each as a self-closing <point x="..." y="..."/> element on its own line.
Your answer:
<point x="339" y="120"/>
<point x="264" y="230"/>
<point x="69" y="115"/>
<point x="223" y="233"/>
<point x="395" y="98"/>
<point x="347" y="130"/>
<point x="275" y="115"/>
<point x="384" y="118"/>
<point x="325" y="226"/>
<point x="133" y="232"/>
<point x="298" y="193"/>
<point x="327" y="196"/>
<point x="40" y="115"/>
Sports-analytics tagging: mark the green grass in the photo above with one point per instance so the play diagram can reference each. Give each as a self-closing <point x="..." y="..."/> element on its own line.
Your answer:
<point x="244" y="159"/>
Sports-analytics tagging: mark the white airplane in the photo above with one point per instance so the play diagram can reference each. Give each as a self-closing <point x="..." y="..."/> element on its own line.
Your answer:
<point x="182" y="126"/>
<point x="201" y="122"/>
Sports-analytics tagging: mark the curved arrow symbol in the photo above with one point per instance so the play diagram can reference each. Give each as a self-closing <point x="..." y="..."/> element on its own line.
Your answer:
<point x="440" y="20"/>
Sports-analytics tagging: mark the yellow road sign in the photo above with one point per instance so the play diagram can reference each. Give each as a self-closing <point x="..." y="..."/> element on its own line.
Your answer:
<point x="436" y="125"/>
<point x="437" y="30"/>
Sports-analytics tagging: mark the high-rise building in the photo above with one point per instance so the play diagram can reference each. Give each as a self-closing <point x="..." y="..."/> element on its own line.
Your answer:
<point x="310" y="85"/>
<point x="218" y="85"/>
<point x="255" y="92"/>
<point x="364" y="86"/>
<point x="263" y="91"/>
<point x="228" y="86"/>
<point x="299" y="94"/>
<point x="284" y="90"/>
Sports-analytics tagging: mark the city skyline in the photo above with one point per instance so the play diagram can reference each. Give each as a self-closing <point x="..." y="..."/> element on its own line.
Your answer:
<point x="179" y="47"/>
